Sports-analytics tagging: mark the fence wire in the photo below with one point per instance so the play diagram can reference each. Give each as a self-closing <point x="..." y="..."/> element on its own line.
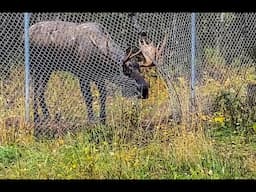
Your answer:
<point x="77" y="76"/>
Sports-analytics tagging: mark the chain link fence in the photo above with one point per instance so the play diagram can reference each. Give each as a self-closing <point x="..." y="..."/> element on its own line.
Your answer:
<point x="77" y="76"/>
<point x="225" y="59"/>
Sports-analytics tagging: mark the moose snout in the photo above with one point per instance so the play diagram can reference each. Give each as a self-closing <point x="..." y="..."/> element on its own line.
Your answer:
<point x="143" y="91"/>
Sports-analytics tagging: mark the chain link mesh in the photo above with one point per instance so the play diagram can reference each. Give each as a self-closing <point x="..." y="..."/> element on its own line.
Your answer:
<point x="64" y="68"/>
<point x="225" y="56"/>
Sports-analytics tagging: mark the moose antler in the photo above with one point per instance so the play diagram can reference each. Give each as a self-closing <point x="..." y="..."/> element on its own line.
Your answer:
<point x="127" y="57"/>
<point x="130" y="55"/>
<point x="160" y="51"/>
<point x="151" y="53"/>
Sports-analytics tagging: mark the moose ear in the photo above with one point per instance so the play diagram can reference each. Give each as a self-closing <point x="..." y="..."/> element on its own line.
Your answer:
<point x="143" y="34"/>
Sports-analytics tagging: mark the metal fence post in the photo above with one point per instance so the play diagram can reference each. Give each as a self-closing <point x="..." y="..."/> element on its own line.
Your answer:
<point x="26" y="39"/>
<point x="193" y="61"/>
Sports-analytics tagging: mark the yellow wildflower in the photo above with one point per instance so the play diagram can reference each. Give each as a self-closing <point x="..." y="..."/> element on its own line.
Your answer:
<point x="219" y="119"/>
<point x="74" y="166"/>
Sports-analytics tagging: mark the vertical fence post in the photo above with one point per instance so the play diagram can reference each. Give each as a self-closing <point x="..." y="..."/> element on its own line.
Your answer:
<point x="26" y="39"/>
<point x="193" y="61"/>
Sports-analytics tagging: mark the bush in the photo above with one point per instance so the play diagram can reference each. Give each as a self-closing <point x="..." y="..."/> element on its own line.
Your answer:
<point x="233" y="113"/>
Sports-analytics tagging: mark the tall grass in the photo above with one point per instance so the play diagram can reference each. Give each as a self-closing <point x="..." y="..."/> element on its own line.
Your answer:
<point x="141" y="140"/>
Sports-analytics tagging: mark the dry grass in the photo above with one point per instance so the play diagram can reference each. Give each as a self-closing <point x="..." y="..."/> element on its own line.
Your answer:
<point x="142" y="139"/>
<point x="190" y="147"/>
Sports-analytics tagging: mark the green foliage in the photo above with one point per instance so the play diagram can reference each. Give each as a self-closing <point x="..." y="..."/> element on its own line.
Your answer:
<point x="8" y="154"/>
<point x="232" y="113"/>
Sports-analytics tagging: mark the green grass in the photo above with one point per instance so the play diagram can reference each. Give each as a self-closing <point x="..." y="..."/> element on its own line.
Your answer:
<point x="90" y="156"/>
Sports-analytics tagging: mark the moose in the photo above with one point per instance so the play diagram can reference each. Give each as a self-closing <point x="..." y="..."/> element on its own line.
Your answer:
<point x="88" y="52"/>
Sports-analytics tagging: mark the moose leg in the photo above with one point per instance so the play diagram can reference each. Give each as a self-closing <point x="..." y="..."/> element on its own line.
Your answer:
<point x="103" y="96"/>
<point x="41" y="98"/>
<point x="35" y="102"/>
<point x="36" y="87"/>
<point x="86" y="90"/>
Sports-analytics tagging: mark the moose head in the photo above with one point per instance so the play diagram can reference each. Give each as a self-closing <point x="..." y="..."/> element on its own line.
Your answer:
<point x="147" y="55"/>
